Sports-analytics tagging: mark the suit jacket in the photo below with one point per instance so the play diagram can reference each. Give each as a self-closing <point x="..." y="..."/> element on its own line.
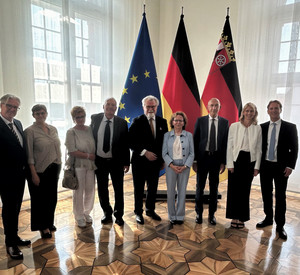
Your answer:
<point x="120" y="147"/>
<point x="13" y="155"/>
<point x="201" y="138"/>
<point x="140" y="137"/>
<point x="287" y="148"/>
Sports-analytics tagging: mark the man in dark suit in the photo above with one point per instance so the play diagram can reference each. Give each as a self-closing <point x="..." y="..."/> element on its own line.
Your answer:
<point x="146" y="136"/>
<point x="13" y="167"/>
<point x="210" y="143"/>
<point x="279" y="156"/>
<point x="112" y="157"/>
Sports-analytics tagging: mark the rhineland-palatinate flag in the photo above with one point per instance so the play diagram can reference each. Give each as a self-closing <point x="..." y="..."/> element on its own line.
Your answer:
<point x="141" y="79"/>
<point x="222" y="81"/>
<point x="180" y="90"/>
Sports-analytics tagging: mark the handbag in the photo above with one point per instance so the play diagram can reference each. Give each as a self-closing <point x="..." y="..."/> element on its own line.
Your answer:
<point x="70" y="180"/>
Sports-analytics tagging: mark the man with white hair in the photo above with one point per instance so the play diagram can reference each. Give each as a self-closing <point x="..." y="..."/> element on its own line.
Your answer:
<point x="146" y="136"/>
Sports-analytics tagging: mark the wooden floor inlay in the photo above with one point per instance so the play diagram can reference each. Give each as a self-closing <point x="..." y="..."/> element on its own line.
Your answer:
<point x="157" y="247"/>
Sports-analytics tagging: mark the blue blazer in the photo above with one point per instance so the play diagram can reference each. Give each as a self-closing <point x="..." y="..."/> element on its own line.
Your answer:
<point x="187" y="144"/>
<point x="201" y="138"/>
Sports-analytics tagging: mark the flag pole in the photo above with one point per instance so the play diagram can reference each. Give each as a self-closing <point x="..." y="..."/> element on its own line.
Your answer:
<point x="227" y="12"/>
<point x="182" y="10"/>
<point x="144" y="8"/>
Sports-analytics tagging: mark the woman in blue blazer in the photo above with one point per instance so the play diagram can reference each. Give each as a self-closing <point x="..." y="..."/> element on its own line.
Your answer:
<point x="178" y="154"/>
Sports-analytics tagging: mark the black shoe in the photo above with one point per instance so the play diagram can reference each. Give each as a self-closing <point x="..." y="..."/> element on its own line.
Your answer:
<point x="198" y="219"/>
<point x="264" y="223"/>
<point x="14" y="252"/>
<point x="106" y="219"/>
<point x="173" y="222"/>
<point x="22" y="242"/>
<point x="119" y="221"/>
<point x="52" y="228"/>
<point x="45" y="235"/>
<point x="179" y="222"/>
<point x="281" y="232"/>
<point x="139" y="219"/>
<point x="212" y="220"/>
<point x="153" y="215"/>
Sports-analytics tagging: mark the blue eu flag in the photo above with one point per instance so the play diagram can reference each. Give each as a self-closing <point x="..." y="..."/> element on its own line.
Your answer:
<point x="141" y="79"/>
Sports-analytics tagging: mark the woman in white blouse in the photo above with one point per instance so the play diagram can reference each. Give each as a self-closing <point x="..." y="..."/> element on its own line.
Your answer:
<point x="178" y="154"/>
<point x="243" y="162"/>
<point x="81" y="148"/>
<point x="44" y="158"/>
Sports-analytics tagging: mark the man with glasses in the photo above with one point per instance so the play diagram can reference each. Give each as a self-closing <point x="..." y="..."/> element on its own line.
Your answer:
<point x="146" y="136"/>
<point x="210" y="143"/>
<point x="13" y="166"/>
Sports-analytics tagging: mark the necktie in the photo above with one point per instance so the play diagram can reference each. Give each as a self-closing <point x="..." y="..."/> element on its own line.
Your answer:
<point x="14" y="132"/>
<point x="212" y="138"/>
<point x="106" y="141"/>
<point x="272" y="143"/>
<point x="151" y="126"/>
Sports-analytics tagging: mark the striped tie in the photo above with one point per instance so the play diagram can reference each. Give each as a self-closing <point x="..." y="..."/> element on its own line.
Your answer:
<point x="14" y="132"/>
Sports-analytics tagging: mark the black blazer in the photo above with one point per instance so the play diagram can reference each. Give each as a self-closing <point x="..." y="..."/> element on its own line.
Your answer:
<point x="13" y="156"/>
<point x="201" y="138"/>
<point x="287" y="147"/>
<point x="140" y="137"/>
<point x="120" y="147"/>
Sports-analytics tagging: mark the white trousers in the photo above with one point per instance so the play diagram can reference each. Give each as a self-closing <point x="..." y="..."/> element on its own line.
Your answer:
<point x="84" y="196"/>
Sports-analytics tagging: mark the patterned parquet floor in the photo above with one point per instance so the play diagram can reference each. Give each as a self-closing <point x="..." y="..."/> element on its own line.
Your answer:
<point x="158" y="247"/>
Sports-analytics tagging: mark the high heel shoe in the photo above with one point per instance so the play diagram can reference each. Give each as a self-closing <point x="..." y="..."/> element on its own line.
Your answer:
<point x="45" y="235"/>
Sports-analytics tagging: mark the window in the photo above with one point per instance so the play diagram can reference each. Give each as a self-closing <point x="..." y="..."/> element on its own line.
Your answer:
<point x="289" y="56"/>
<point x="70" y="51"/>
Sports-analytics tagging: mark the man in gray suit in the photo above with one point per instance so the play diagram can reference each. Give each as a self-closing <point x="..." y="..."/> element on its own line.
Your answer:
<point x="112" y="157"/>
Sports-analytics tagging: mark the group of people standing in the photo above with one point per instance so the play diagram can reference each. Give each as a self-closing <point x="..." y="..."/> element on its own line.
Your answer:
<point x="103" y="149"/>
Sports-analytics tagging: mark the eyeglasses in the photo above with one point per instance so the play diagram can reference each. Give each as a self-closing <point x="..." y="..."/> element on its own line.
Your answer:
<point x="9" y="106"/>
<point x="178" y="120"/>
<point x="79" y="117"/>
<point x="151" y="107"/>
<point x="39" y="113"/>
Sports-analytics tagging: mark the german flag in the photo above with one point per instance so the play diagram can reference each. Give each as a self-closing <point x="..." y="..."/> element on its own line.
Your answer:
<point x="222" y="81"/>
<point x="180" y="90"/>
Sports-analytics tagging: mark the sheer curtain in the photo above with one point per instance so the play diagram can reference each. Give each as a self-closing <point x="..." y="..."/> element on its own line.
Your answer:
<point x="268" y="57"/>
<point x="57" y="53"/>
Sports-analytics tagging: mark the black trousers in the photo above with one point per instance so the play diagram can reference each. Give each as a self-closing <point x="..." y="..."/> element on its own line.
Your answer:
<point x="209" y="166"/>
<point x="239" y="186"/>
<point x="11" y="192"/>
<point x="272" y="171"/>
<point x="116" y="171"/>
<point x="44" y="198"/>
<point x="145" y="171"/>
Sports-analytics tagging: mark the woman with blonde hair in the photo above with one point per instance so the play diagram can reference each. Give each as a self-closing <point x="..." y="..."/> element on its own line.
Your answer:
<point x="243" y="162"/>
<point x="81" y="148"/>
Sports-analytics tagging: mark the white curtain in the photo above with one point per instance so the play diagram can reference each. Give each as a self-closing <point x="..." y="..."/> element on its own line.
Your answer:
<point x="268" y="57"/>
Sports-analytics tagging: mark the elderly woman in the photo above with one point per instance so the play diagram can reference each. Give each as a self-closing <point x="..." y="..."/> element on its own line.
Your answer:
<point x="243" y="162"/>
<point x="81" y="149"/>
<point x="178" y="154"/>
<point x="44" y="158"/>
